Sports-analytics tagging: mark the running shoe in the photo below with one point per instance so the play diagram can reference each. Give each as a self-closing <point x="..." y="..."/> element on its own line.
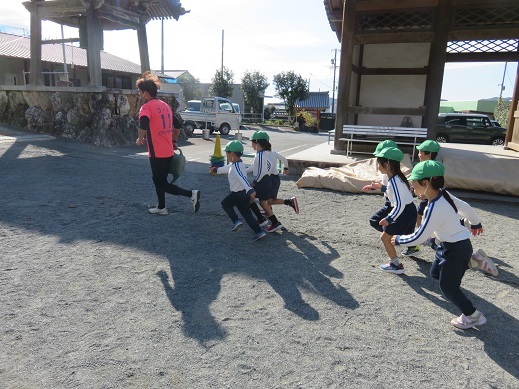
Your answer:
<point x="195" y="200"/>
<point x="466" y="322"/>
<point x="294" y="204"/>
<point x="411" y="251"/>
<point x="258" y="236"/>
<point x="390" y="267"/>
<point x="484" y="262"/>
<point x="274" y="227"/>
<point x="263" y="222"/>
<point x="236" y="225"/>
<point x="158" y="211"/>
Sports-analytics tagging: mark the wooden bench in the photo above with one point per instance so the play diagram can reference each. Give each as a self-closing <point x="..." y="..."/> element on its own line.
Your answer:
<point x="357" y="133"/>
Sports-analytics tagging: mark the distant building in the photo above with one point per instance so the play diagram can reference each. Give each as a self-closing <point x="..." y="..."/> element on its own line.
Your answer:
<point x="486" y="106"/>
<point x="117" y="73"/>
<point x="15" y="54"/>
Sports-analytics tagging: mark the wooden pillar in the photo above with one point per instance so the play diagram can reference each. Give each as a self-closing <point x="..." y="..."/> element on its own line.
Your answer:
<point x="346" y="68"/>
<point x="35" y="76"/>
<point x="95" y="45"/>
<point x="437" y="56"/>
<point x="143" y="48"/>
<point x="512" y="131"/>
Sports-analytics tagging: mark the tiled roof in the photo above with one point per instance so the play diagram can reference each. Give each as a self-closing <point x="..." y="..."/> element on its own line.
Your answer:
<point x="20" y="47"/>
<point x="315" y="100"/>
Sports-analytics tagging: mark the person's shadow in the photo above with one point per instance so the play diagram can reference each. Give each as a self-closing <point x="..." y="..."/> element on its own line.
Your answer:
<point x="500" y="335"/>
<point x="293" y="265"/>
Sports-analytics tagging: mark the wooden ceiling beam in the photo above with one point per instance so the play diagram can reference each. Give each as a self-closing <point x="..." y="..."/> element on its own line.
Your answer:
<point x="394" y="37"/>
<point x="393" y="5"/>
<point x="482" y="57"/>
<point x="119" y="16"/>
<point x="57" y="9"/>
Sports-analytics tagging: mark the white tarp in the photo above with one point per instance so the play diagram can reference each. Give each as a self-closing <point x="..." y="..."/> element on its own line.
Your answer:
<point x="484" y="168"/>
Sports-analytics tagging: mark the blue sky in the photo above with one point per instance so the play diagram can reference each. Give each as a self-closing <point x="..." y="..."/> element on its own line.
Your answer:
<point x="270" y="36"/>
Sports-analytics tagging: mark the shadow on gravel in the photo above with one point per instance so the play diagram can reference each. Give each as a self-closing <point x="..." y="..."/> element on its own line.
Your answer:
<point x="290" y="264"/>
<point x="80" y="193"/>
<point x="500" y="335"/>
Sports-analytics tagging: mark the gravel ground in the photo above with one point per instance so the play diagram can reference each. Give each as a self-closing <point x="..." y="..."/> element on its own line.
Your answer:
<point x="95" y="292"/>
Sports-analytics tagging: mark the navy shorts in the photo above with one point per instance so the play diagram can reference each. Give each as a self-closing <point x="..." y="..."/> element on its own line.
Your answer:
<point x="275" y="182"/>
<point x="405" y="223"/>
<point x="262" y="188"/>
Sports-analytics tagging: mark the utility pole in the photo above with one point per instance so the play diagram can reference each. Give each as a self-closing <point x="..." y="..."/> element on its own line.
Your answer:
<point x="65" y="70"/>
<point x="334" y="63"/>
<point x="499" y="100"/>
<point x="222" y="53"/>
<point x="162" y="49"/>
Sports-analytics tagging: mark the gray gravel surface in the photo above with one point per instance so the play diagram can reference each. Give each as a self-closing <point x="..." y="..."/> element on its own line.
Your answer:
<point x="97" y="293"/>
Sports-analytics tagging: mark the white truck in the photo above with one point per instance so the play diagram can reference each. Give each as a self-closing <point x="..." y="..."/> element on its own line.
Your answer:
<point x="215" y="114"/>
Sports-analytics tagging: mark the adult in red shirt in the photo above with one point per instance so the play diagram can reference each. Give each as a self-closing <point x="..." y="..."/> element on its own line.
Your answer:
<point x="157" y="130"/>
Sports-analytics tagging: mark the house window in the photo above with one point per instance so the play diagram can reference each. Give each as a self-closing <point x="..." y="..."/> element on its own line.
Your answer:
<point x="116" y="81"/>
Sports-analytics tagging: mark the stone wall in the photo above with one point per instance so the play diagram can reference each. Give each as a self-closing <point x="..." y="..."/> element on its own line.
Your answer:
<point x="90" y="115"/>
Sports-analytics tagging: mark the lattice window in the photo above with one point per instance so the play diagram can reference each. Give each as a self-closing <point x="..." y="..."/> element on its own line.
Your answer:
<point x="471" y="17"/>
<point x="397" y="22"/>
<point x="483" y="46"/>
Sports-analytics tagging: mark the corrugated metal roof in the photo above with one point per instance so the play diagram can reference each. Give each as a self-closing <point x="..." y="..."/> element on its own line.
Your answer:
<point x="20" y="47"/>
<point x="319" y="100"/>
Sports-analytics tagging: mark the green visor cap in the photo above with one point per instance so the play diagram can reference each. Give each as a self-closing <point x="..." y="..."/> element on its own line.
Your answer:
<point x="430" y="146"/>
<point x="260" y="135"/>
<point x="427" y="169"/>
<point x="391" y="153"/>
<point x="234" y="146"/>
<point x="383" y="145"/>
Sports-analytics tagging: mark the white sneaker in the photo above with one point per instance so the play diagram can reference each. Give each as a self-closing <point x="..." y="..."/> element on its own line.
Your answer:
<point x="484" y="262"/>
<point x="466" y="322"/>
<point x="158" y="211"/>
<point x="195" y="200"/>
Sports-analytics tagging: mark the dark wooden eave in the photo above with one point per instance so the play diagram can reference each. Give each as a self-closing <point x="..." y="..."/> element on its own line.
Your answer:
<point x="506" y="27"/>
<point x="114" y="15"/>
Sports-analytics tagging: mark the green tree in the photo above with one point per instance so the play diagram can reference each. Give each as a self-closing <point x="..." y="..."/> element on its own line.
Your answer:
<point x="502" y="113"/>
<point x="222" y="83"/>
<point x="290" y="87"/>
<point x="190" y="87"/>
<point x="253" y="85"/>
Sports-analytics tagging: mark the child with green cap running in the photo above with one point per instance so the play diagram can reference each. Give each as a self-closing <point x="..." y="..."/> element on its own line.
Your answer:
<point x="454" y="252"/>
<point x="401" y="217"/>
<point x="428" y="151"/>
<point x="242" y="194"/>
<point x="262" y="169"/>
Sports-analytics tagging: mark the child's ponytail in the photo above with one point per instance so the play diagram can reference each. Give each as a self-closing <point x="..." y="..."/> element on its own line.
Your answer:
<point x="395" y="168"/>
<point x="439" y="183"/>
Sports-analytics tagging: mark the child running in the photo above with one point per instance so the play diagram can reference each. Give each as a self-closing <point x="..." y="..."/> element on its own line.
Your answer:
<point x="275" y="181"/>
<point x="453" y="253"/>
<point x="242" y="194"/>
<point x="386" y="209"/>
<point x="428" y="150"/>
<point x="261" y="168"/>
<point x="400" y="216"/>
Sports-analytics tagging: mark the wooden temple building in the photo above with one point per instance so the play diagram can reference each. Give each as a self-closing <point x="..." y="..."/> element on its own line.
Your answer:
<point x="393" y="55"/>
<point x="92" y="17"/>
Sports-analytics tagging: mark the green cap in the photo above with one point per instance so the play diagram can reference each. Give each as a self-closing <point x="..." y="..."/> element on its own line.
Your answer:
<point x="234" y="146"/>
<point x="429" y="145"/>
<point x="384" y="144"/>
<point x="392" y="153"/>
<point x="260" y="135"/>
<point x="427" y="169"/>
